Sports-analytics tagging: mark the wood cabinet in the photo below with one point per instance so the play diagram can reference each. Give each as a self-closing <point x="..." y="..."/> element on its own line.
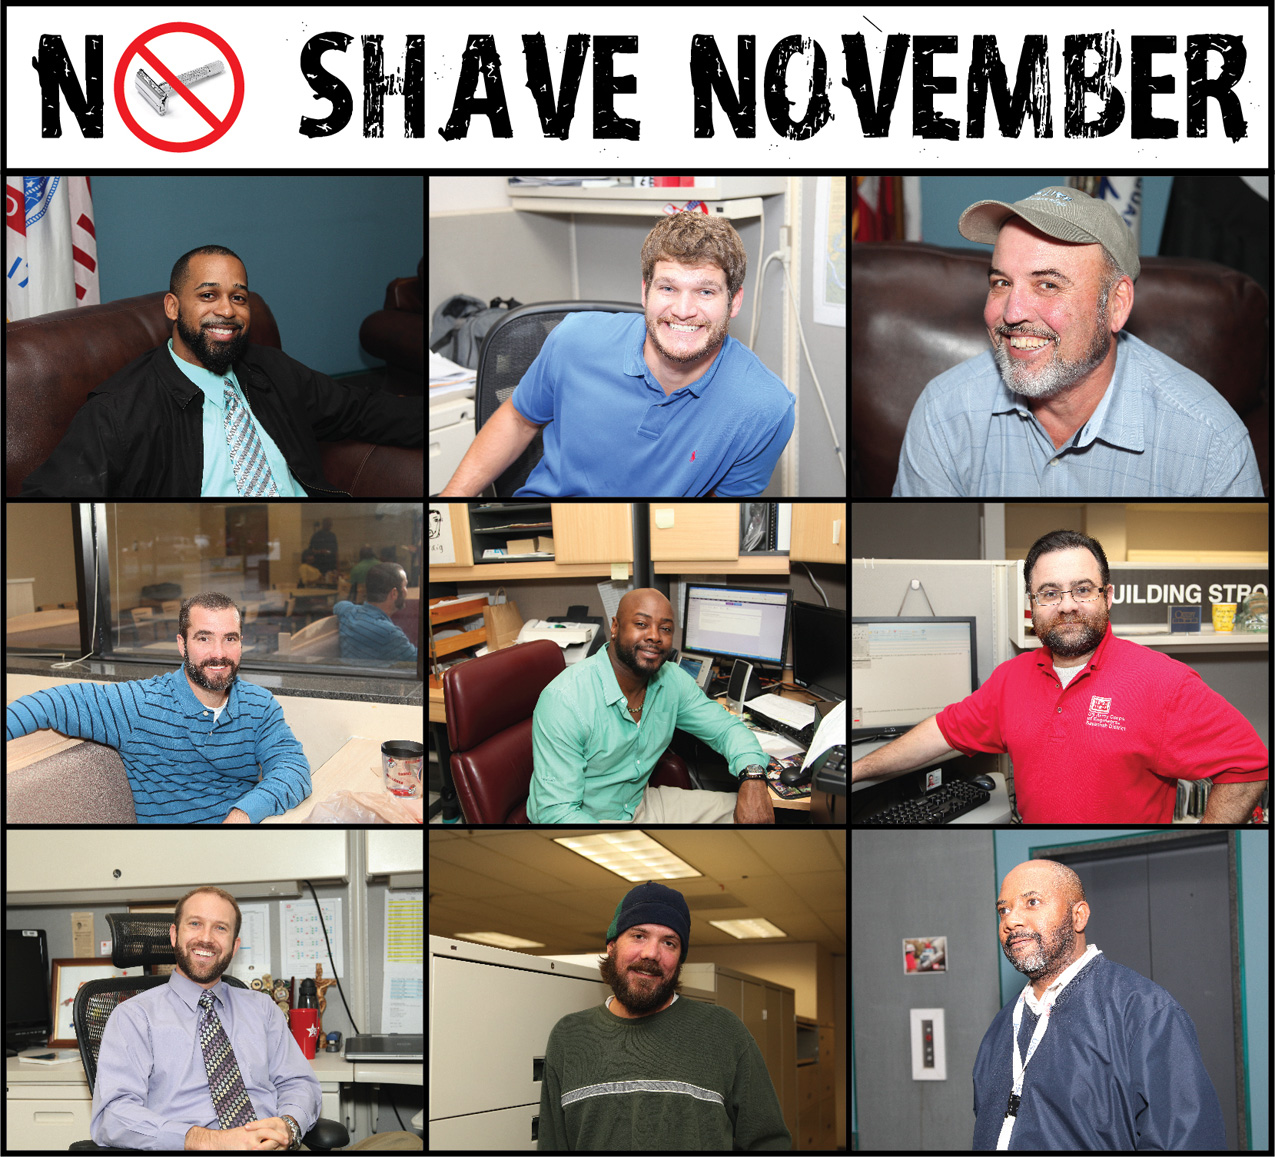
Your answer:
<point x="819" y="532"/>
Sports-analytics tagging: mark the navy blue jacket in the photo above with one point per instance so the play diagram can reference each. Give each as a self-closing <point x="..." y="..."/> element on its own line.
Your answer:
<point x="1118" y="1068"/>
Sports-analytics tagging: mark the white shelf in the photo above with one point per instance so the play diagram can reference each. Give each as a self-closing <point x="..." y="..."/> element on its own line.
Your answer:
<point x="736" y="210"/>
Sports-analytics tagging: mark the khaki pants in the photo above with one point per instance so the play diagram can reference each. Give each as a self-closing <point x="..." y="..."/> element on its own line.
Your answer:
<point x="386" y="1143"/>
<point x="678" y="805"/>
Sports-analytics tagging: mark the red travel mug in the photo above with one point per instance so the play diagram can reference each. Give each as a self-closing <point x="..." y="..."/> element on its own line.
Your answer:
<point x="305" y="1028"/>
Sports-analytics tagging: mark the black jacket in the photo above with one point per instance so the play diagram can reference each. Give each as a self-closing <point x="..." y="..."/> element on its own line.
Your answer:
<point x="140" y="433"/>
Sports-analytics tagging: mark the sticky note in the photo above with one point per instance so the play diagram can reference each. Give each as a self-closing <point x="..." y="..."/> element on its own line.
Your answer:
<point x="664" y="519"/>
<point x="619" y="572"/>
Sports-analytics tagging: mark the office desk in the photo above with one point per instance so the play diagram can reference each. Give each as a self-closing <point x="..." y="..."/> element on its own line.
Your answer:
<point x="355" y="767"/>
<point x="50" y="1106"/>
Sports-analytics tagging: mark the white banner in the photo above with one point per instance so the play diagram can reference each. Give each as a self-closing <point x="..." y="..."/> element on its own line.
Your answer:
<point x="769" y="88"/>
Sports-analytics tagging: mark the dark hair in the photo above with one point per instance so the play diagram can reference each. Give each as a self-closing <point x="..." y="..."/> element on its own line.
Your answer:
<point x="210" y="601"/>
<point x="177" y="915"/>
<point x="696" y="239"/>
<point x="177" y="278"/>
<point x="381" y="579"/>
<point x="1065" y="540"/>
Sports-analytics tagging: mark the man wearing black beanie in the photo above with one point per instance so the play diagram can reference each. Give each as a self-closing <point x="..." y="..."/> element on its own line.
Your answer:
<point x="650" y="1070"/>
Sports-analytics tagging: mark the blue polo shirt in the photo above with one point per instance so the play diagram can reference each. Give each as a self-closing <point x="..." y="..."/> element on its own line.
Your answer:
<point x="609" y="429"/>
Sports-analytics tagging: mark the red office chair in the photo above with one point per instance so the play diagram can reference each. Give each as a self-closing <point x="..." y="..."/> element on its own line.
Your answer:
<point x="489" y="702"/>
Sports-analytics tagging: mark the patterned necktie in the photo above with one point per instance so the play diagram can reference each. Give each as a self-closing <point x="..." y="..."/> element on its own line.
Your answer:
<point x="247" y="457"/>
<point x="225" y="1082"/>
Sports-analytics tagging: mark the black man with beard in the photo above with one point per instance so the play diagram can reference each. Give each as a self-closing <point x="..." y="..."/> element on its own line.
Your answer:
<point x="211" y="413"/>
<point x="1090" y="1055"/>
<point x="651" y="1070"/>
<point x="601" y="726"/>
<point x="1099" y="728"/>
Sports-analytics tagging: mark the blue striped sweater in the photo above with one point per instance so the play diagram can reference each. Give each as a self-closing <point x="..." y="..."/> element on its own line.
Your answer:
<point x="183" y="768"/>
<point x="367" y="632"/>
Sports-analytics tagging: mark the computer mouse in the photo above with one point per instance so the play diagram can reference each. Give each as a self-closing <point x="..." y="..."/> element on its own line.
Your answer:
<point x="986" y="782"/>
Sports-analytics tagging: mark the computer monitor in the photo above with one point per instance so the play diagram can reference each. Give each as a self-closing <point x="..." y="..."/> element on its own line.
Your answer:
<point x="733" y="622"/>
<point x="819" y="649"/>
<point x="27" y="1015"/>
<point x="907" y="669"/>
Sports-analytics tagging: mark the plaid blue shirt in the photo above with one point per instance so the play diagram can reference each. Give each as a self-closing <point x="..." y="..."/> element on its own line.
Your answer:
<point x="1160" y="430"/>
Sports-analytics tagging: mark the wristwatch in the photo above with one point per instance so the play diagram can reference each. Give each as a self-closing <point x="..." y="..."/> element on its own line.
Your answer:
<point x="752" y="771"/>
<point x="295" y="1132"/>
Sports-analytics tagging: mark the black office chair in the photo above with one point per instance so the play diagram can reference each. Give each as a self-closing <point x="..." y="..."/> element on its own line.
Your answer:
<point x="508" y="351"/>
<point x="137" y="940"/>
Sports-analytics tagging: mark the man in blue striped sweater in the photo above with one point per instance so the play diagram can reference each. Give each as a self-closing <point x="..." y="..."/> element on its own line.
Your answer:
<point x="191" y="740"/>
<point x="367" y="631"/>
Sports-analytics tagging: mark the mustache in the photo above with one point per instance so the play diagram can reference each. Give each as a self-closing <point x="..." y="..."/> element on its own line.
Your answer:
<point x="1017" y="331"/>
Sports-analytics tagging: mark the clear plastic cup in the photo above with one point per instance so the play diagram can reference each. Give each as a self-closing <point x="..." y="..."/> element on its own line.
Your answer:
<point x="402" y="762"/>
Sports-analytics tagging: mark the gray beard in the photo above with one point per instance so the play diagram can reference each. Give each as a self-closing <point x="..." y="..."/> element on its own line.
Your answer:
<point x="1058" y="373"/>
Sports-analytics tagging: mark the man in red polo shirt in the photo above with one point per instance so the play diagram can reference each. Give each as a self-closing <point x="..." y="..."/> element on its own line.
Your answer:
<point x="1099" y="729"/>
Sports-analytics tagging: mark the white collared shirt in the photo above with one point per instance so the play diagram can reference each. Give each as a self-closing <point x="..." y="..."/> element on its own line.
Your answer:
<point x="1052" y="992"/>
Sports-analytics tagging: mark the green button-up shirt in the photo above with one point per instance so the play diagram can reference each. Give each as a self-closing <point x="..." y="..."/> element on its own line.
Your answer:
<point x="592" y="761"/>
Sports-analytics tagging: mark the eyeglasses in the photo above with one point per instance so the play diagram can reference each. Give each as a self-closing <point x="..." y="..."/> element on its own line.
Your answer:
<point x="1085" y="593"/>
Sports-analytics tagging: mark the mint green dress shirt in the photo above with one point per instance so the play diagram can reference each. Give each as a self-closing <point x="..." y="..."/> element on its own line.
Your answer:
<point x="592" y="762"/>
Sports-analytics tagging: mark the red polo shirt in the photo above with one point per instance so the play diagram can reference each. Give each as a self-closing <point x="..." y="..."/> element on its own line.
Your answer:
<point x="1111" y="747"/>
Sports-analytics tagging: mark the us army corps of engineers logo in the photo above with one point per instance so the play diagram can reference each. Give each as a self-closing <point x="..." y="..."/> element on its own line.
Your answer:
<point x="1100" y="714"/>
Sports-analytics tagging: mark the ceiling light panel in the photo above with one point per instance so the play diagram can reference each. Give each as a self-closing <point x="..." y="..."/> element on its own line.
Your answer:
<point x="633" y="856"/>
<point x="749" y="929"/>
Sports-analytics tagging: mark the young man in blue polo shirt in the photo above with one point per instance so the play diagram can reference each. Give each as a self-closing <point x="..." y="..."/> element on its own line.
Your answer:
<point x="666" y="403"/>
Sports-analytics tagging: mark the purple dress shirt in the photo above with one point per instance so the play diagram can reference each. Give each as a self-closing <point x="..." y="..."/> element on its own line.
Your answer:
<point x="152" y="1086"/>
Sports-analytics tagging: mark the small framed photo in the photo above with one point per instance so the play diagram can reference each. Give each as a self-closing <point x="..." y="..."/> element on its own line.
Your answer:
<point x="68" y="976"/>
<point x="924" y="954"/>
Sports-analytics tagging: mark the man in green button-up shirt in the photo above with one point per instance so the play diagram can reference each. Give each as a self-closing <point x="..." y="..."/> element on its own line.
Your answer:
<point x="601" y="726"/>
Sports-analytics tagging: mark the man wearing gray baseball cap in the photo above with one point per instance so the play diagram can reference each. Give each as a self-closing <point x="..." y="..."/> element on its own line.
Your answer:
<point x="1066" y="402"/>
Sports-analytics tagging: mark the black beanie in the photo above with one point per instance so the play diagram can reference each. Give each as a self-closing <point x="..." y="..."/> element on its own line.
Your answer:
<point x="652" y="903"/>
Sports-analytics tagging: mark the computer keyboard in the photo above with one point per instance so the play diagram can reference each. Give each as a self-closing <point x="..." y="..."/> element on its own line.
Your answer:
<point x="940" y="806"/>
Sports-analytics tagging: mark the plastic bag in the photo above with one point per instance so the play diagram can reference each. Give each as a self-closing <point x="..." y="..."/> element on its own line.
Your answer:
<point x="366" y="807"/>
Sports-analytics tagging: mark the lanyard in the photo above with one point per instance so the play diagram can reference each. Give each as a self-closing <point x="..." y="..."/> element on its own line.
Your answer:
<point x="1020" y="1065"/>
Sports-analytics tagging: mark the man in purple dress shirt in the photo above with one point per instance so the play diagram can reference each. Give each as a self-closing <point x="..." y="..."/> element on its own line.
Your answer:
<point x="152" y="1086"/>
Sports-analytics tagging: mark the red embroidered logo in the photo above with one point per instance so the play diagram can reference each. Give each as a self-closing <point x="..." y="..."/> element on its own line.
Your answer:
<point x="692" y="455"/>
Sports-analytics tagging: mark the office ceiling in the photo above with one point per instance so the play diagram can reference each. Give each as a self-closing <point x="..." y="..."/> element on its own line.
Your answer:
<point x="523" y="884"/>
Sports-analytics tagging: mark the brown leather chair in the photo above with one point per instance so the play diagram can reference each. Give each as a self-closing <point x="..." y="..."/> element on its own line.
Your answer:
<point x="395" y="333"/>
<point x="53" y="362"/>
<point x="489" y="702"/>
<point x="917" y="310"/>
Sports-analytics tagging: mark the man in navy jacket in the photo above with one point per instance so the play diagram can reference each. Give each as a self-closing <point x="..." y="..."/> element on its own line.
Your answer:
<point x="1116" y="1065"/>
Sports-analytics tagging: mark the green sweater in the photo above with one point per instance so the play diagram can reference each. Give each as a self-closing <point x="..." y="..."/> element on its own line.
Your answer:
<point x="690" y="1077"/>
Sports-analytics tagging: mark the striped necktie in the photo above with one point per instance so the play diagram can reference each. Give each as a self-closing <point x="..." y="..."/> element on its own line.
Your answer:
<point x="225" y="1081"/>
<point x="247" y="456"/>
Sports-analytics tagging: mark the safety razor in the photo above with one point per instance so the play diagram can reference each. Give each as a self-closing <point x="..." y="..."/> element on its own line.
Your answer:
<point x="157" y="94"/>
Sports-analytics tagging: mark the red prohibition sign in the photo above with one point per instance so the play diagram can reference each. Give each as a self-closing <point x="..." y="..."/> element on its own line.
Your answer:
<point x="140" y="46"/>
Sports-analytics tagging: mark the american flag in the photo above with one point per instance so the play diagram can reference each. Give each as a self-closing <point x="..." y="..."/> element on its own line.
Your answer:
<point x="50" y="245"/>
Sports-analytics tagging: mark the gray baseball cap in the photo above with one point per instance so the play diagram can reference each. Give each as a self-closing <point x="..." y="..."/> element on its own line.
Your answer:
<point x="1067" y="214"/>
